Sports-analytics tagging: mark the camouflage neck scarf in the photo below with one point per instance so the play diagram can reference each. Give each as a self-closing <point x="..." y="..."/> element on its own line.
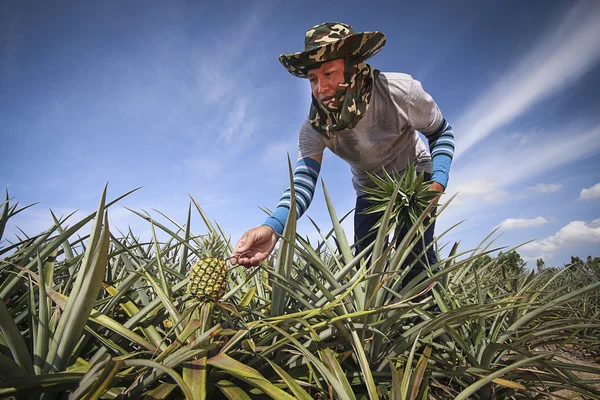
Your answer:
<point x="351" y="101"/>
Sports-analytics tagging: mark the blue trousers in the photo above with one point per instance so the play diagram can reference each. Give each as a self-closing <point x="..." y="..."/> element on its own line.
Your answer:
<point x="363" y="236"/>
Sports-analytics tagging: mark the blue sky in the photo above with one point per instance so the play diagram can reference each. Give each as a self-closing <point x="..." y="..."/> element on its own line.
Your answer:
<point x="189" y="97"/>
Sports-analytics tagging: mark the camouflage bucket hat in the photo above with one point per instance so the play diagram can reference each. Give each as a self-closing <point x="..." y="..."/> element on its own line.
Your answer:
<point x="329" y="41"/>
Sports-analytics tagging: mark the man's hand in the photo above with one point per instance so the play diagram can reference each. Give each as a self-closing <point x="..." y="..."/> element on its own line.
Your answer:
<point x="436" y="187"/>
<point x="254" y="246"/>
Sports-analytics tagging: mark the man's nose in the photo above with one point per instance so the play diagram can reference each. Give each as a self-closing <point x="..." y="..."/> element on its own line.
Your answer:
<point x="322" y="86"/>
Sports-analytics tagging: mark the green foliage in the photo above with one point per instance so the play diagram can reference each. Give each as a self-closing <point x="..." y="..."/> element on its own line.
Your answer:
<point x="540" y="264"/>
<point x="572" y="276"/>
<point x="410" y="201"/>
<point x="101" y="315"/>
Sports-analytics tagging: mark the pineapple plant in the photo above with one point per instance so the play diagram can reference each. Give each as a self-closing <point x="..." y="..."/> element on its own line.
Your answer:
<point x="208" y="276"/>
<point x="412" y="199"/>
<point x="333" y="335"/>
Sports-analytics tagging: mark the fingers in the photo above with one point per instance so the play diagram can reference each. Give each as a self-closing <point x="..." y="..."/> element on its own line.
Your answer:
<point x="243" y="253"/>
<point x="253" y="247"/>
<point x="249" y="260"/>
<point x="240" y="248"/>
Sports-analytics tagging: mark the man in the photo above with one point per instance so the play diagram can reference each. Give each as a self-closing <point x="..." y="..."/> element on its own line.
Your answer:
<point x="369" y="119"/>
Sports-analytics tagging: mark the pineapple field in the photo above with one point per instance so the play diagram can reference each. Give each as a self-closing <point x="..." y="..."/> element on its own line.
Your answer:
<point x="89" y="312"/>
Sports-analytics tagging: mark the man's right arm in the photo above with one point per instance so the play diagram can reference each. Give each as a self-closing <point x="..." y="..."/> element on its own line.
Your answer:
<point x="256" y="244"/>
<point x="306" y="174"/>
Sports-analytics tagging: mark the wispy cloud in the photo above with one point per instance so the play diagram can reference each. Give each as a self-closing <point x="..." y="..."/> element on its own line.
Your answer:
<point x="239" y="125"/>
<point x="591" y="193"/>
<point x="571" y="236"/>
<point x="546" y="187"/>
<point x="569" y="51"/>
<point x="550" y="153"/>
<point x="487" y="178"/>
<point x="222" y="65"/>
<point x="478" y="190"/>
<point x="515" y="223"/>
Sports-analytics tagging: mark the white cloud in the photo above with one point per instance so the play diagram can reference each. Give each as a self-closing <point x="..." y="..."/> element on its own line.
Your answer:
<point x="568" y="53"/>
<point x="485" y="178"/>
<point x="546" y="187"/>
<point x="551" y="152"/>
<point x="591" y="193"/>
<point x="478" y="190"/>
<point x="572" y="235"/>
<point x="236" y="126"/>
<point x="514" y="223"/>
<point x="225" y="84"/>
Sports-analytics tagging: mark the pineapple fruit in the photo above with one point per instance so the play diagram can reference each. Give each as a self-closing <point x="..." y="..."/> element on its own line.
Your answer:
<point x="208" y="276"/>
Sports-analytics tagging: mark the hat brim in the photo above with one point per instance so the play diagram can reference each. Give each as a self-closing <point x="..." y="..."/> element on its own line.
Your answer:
<point x="363" y="44"/>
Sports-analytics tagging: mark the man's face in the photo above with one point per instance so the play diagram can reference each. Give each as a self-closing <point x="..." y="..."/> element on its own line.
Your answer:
<point x="325" y="80"/>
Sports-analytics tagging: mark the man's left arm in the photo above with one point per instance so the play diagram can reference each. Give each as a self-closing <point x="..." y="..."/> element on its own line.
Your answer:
<point x="441" y="147"/>
<point x="426" y="117"/>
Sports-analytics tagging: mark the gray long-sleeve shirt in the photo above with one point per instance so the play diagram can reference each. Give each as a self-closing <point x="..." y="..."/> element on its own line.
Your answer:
<point x="386" y="137"/>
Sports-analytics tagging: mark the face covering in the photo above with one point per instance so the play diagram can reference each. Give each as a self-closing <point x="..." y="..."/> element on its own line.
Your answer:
<point x="350" y="101"/>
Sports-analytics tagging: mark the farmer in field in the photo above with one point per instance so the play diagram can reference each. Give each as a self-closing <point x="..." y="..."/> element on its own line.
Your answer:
<point x="368" y="118"/>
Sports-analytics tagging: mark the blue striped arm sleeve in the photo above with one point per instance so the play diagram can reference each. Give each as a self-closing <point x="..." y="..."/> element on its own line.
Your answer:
<point x="306" y="174"/>
<point x="441" y="146"/>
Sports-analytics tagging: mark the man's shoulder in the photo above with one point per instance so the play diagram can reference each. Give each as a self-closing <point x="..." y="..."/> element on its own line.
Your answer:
<point x="396" y="77"/>
<point x="396" y="80"/>
<point x="397" y="84"/>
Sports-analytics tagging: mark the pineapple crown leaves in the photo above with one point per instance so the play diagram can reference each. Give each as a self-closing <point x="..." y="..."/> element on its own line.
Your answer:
<point x="413" y="195"/>
<point x="212" y="245"/>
